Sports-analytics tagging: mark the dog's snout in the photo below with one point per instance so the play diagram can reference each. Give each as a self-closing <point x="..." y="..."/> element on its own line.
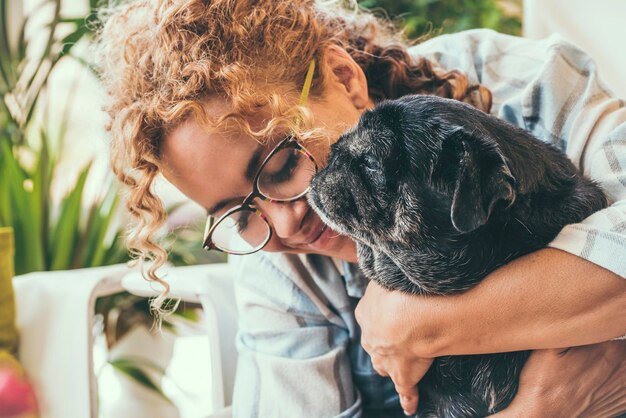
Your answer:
<point x="330" y="194"/>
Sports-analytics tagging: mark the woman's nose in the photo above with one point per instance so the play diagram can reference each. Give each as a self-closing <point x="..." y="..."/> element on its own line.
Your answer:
<point x="285" y="217"/>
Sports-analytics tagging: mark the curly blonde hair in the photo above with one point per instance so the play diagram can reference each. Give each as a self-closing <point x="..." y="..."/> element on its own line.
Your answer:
<point x="159" y="59"/>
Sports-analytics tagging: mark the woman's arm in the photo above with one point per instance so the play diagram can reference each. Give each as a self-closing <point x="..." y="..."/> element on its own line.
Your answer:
<point x="547" y="299"/>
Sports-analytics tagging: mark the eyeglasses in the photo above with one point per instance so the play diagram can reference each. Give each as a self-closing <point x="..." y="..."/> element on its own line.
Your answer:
<point x="284" y="176"/>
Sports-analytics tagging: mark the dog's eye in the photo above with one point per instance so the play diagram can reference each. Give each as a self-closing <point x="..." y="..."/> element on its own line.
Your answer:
<point x="371" y="163"/>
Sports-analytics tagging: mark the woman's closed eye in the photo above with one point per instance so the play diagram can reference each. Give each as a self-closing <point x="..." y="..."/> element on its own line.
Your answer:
<point x="283" y="168"/>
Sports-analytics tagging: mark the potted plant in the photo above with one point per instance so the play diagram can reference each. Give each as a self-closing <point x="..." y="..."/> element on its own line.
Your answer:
<point x="70" y="231"/>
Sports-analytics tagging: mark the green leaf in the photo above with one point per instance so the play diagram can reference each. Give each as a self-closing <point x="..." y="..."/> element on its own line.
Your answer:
<point x="129" y="368"/>
<point x="116" y="253"/>
<point x="140" y="362"/>
<point x="7" y="72"/>
<point x="78" y="21"/>
<point x="72" y="39"/>
<point x="65" y="234"/>
<point x="28" y="257"/>
<point x="54" y="23"/>
<point x="22" y="43"/>
<point x="43" y="184"/>
<point x="88" y="238"/>
<point x="98" y="227"/>
<point x="6" y="215"/>
<point x="106" y="212"/>
<point x="41" y="190"/>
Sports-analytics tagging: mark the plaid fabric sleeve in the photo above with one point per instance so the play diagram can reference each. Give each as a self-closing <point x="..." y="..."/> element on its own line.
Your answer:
<point x="589" y="124"/>
<point x="551" y="88"/>
<point x="293" y="359"/>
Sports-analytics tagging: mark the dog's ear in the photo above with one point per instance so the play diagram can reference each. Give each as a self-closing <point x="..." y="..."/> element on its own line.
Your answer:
<point x="482" y="178"/>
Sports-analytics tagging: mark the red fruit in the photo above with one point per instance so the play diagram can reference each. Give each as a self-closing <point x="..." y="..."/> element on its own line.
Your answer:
<point x="16" y="394"/>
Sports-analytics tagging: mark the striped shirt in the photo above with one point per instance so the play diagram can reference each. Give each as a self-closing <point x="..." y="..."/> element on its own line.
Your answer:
<point x="298" y="342"/>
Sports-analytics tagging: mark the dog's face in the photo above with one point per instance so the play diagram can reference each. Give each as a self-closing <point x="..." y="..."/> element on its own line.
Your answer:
<point x="410" y="173"/>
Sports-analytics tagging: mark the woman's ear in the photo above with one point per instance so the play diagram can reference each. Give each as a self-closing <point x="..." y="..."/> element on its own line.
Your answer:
<point x="343" y="75"/>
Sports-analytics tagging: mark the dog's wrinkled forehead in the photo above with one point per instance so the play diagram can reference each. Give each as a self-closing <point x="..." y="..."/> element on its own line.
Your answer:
<point x="377" y="133"/>
<point x="365" y="136"/>
<point x="359" y="141"/>
<point x="398" y="129"/>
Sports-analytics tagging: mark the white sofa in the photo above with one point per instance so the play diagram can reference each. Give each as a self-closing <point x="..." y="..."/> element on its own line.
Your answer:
<point x="55" y="318"/>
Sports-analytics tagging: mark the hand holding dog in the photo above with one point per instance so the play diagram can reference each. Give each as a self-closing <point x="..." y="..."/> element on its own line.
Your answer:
<point x="411" y="328"/>
<point x="406" y="372"/>
<point x="580" y="381"/>
<point x="391" y="345"/>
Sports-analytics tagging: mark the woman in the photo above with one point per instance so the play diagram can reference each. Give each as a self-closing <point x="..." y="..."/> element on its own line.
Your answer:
<point x="203" y="93"/>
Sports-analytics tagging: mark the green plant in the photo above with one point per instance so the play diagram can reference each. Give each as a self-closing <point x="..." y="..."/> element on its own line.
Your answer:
<point x="446" y="16"/>
<point x="80" y="234"/>
<point x="75" y="237"/>
<point x="23" y="77"/>
<point x="70" y="232"/>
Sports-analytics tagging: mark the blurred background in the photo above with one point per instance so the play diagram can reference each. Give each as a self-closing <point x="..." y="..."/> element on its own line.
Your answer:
<point x="59" y="196"/>
<point x="447" y="16"/>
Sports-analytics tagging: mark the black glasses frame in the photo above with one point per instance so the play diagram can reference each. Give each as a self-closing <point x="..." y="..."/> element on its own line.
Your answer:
<point x="247" y="204"/>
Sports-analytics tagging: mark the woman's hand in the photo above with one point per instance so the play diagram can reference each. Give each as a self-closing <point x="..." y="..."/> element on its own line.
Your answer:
<point x="587" y="382"/>
<point x="405" y="372"/>
<point x="394" y="348"/>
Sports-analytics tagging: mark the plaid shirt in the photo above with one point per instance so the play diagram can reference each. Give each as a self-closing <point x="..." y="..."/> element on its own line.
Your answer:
<point x="298" y="342"/>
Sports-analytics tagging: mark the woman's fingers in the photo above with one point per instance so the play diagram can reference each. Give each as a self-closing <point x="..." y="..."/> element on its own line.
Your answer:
<point x="394" y="348"/>
<point x="378" y="365"/>
<point x="405" y="377"/>
<point x="409" y="398"/>
<point x="405" y="374"/>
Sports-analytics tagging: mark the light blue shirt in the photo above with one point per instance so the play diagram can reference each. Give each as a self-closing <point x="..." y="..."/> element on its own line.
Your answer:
<point x="298" y="342"/>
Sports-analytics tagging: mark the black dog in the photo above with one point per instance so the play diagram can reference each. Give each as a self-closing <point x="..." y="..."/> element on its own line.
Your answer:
<point x="438" y="194"/>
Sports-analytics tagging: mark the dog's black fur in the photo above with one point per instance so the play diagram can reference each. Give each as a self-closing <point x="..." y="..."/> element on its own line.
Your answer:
<point x="438" y="194"/>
